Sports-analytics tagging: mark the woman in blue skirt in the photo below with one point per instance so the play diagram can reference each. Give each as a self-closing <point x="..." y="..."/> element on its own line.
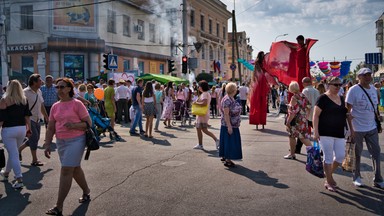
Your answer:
<point x="230" y="140"/>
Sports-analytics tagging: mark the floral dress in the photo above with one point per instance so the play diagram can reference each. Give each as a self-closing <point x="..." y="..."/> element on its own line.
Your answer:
<point x="299" y="110"/>
<point x="168" y="106"/>
<point x="234" y="111"/>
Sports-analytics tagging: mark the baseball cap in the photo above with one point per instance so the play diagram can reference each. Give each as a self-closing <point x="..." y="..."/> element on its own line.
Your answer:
<point x="121" y="81"/>
<point x="363" y="71"/>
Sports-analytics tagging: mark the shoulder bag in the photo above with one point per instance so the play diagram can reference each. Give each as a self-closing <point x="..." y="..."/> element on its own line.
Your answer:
<point x="34" y="104"/>
<point x="377" y="120"/>
<point x="199" y="110"/>
<point x="91" y="141"/>
<point x="314" y="163"/>
<point x="350" y="157"/>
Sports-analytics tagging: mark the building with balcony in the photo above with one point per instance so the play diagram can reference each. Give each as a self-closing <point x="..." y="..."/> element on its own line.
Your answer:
<point x="245" y="52"/>
<point x="208" y="26"/>
<point x="68" y="38"/>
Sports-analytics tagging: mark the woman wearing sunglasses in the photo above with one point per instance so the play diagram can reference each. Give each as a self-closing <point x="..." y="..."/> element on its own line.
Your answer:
<point x="68" y="122"/>
<point x="329" y="121"/>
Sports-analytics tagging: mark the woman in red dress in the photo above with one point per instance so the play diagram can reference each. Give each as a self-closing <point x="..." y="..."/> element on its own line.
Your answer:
<point x="259" y="94"/>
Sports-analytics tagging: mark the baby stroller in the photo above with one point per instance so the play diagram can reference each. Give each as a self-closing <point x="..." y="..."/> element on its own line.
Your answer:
<point x="180" y="113"/>
<point x="101" y="124"/>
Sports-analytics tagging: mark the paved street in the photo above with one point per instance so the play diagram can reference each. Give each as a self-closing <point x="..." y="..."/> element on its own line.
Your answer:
<point x="165" y="176"/>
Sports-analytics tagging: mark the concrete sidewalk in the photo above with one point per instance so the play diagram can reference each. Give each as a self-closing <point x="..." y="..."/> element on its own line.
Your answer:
<point x="165" y="176"/>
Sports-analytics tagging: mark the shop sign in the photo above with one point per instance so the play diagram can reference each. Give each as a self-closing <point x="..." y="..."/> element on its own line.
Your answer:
<point x="22" y="47"/>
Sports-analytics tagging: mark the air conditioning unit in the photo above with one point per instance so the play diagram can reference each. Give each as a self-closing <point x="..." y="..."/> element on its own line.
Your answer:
<point x="139" y="28"/>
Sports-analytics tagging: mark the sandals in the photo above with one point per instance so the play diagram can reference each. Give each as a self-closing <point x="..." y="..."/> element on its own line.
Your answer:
<point x="37" y="163"/>
<point x="85" y="198"/>
<point x="229" y="164"/>
<point x="54" y="211"/>
<point x="330" y="187"/>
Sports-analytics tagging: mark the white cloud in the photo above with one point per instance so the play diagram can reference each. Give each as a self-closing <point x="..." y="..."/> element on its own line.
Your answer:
<point x="343" y="27"/>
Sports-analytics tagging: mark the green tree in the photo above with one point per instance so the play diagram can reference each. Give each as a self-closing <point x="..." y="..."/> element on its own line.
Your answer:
<point x="204" y="76"/>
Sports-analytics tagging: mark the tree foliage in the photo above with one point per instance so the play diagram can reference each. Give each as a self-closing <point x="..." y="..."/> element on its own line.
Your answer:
<point x="204" y="76"/>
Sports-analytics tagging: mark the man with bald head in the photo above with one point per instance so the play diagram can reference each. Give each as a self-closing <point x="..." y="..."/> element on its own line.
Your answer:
<point x="312" y="95"/>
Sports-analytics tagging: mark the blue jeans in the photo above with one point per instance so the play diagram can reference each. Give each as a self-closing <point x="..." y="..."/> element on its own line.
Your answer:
<point x="138" y="119"/>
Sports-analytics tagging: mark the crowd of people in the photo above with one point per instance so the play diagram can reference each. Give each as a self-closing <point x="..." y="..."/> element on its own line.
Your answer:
<point x="63" y="105"/>
<point x="318" y="112"/>
<point x="335" y="112"/>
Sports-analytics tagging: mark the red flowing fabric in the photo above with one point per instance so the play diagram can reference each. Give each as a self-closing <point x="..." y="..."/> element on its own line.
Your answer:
<point x="289" y="64"/>
<point x="258" y="97"/>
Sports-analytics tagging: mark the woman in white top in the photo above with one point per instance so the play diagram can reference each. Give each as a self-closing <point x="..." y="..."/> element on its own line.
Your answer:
<point x="149" y="101"/>
<point x="159" y="104"/>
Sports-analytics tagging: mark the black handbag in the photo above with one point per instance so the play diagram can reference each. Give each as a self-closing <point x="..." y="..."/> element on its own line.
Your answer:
<point x="2" y="158"/>
<point x="293" y="122"/>
<point x="91" y="141"/>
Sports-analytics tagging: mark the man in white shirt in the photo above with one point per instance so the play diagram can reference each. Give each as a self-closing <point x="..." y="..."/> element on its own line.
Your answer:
<point x="364" y="127"/>
<point x="122" y="102"/>
<point x="130" y="87"/>
<point x="312" y="95"/>
<point x="36" y="106"/>
<point x="243" y="93"/>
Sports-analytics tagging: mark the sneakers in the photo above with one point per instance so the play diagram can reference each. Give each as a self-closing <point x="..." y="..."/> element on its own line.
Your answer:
<point x="358" y="182"/>
<point x="18" y="185"/>
<point x="290" y="157"/>
<point x="4" y="177"/>
<point x="198" y="147"/>
<point x="217" y="144"/>
<point x="379" y="184"/>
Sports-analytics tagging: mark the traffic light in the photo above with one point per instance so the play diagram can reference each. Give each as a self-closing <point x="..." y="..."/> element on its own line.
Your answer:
<point x="171" y="66"/>
<point x="184" y="65"/>
<point x="105" y="61"/>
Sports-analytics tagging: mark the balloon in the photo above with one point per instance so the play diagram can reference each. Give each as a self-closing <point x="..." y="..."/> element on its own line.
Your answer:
<point x="99" y="94"/>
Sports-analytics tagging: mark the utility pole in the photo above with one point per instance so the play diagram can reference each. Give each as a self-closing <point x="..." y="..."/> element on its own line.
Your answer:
<point x="233" y="45"/>
<point x="237" y="49"/>
<point x="185" y="30"/>
<point x="3" y="49"/>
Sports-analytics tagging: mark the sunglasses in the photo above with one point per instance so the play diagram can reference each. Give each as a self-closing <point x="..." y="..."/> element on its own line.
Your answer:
<point x="336" y="84"/>
<point x="60" y="87"/>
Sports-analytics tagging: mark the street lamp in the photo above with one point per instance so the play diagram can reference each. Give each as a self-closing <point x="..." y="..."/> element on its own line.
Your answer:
<point x="282" y="35"/>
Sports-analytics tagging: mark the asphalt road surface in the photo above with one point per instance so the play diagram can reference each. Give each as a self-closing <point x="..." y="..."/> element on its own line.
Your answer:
<point x="165" y="176"/>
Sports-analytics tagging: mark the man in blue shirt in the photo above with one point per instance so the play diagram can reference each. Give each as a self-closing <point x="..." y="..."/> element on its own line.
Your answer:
<point x="138" y="107"/>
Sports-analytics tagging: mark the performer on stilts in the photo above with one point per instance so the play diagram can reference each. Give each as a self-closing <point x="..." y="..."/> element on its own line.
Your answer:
<point x="259" y="94"/>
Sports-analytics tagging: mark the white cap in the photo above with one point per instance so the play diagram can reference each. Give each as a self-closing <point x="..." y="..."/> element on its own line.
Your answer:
<point x="363" y="71"/>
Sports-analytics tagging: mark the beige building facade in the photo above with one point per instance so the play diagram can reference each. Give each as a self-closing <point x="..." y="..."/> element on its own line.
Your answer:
<point x="208" y="25"/>
<point x="68" y="38"/>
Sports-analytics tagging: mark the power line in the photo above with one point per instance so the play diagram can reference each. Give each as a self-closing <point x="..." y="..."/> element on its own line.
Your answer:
<point x="251" y="7"/>
<point x="344" y="35"/>
<point x="146" y="45"/>
<point x="73" y="6"/>
<point x="80" y="5"/>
